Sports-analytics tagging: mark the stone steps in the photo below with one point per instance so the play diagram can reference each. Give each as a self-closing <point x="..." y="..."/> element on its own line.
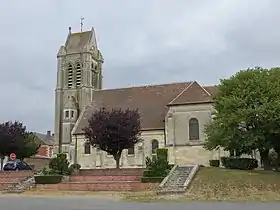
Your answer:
<point x="111" y="178"/>
<point x="178" y="179"/>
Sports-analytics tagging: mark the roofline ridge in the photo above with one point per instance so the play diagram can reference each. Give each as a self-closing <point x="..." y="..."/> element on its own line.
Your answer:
<point x="142" y="86"/>
<point x="181" y="92"/>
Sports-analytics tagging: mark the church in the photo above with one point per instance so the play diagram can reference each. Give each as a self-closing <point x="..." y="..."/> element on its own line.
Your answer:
<point x="172" y="115"/>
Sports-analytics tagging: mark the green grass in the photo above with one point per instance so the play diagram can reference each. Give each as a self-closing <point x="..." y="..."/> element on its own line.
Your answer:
<point x="216" y="184"/>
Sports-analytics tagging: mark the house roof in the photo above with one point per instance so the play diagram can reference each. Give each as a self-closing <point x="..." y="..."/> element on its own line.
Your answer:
<point x="151" y="101"/>
<point x="44" y="139"/>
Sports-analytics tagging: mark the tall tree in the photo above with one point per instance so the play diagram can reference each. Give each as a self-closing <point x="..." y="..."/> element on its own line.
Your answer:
<point x="31" y="146"/>
<point x="113" y="131"/>
<point x="12" y="135"/>
<point x="247" y="113"/>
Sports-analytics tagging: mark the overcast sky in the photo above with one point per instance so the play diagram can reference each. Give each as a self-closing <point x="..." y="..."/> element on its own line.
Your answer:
<point x="143" y="42"/>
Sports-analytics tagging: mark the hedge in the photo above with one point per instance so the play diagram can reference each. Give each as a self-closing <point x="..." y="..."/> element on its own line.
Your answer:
<point x="239" y="163"/>
<point x="152" y="179"/>
<point x="48" y="179"/>
<point x="214" y="163"/>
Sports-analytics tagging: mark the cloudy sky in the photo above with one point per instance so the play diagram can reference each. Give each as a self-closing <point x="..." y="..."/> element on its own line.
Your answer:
<point x="143" y="42"/>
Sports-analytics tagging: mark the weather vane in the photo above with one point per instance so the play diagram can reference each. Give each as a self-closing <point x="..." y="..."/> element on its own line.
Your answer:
<point x="82" y="23"/>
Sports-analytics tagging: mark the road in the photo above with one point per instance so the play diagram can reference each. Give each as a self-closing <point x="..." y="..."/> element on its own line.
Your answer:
<point x="89" y="203"/>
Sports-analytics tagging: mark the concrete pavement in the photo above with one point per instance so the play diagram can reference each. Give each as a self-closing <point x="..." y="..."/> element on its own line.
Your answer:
<point x="89" y="203"/>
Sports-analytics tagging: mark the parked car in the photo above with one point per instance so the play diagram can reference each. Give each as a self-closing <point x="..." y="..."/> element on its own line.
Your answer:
<point x="16" y="165"/>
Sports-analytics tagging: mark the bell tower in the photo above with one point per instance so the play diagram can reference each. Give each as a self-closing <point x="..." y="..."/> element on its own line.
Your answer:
<point x="79" y="74"/>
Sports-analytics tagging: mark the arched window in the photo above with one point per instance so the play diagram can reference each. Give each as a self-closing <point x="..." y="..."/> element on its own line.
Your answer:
<point x="70" y="75"/>
<point x="78" y="75"/>
<point x="130" y="151"/>
<point x="154" y="146"/>
<point x="193" y="129"/>
<point x="87" y="148"/>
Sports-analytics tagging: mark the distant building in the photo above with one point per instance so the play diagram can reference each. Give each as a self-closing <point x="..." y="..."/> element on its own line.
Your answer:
<point x="47" y="145"/>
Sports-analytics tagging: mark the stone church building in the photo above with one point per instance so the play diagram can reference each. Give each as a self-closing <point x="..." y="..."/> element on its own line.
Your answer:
<point x="172" y="115"/>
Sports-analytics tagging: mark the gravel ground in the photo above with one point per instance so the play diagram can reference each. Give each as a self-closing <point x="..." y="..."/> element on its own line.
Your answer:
<point x="10" y="202"/>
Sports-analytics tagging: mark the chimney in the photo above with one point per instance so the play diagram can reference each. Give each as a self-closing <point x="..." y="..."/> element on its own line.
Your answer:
<point x="49" y="134"/>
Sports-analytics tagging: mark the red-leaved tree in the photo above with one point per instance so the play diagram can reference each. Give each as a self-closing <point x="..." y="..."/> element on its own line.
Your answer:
<point x="113" y="131"/>
<point x="12" y="135"/>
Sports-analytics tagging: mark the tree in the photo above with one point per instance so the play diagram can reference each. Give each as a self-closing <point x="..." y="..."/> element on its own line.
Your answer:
<point x="12" y="136"/>
<point x="31" y="146"/>
<point x="113" y="131"/>
<point x="247" y="113"/>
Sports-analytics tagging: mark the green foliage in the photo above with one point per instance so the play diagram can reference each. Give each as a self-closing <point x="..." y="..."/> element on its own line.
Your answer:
<point x="60" y="165"/>
<point x="239" y="163"/>
<point x="247" y="113"/>
<point x="214" y="163"/>
<point x="30" y="147"/>
<point x="114" y="130"/>
<point x="274" y="160"/>
<point x="151" y="179"/>
<point x="48" y="179"/>
<point x="158" y="166"/>
<point x="75" y="166"/>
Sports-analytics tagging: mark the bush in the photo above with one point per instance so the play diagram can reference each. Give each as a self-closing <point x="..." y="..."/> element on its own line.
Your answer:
<point x="273" y="159"/>
<point x="158" y="166"/>
<point x="152" y="179"/>
<point x="75" y="166"/>
<point x="48" y="179"/>
<point x="60" y="165"/>
<point x="214" y="163"/>
<point x="239" y="163"/>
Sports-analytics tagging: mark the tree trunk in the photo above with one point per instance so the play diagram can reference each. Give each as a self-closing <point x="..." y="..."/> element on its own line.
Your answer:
<point x="2" y="161"/>
<point x="265" y="160"/>
<point x="117" y="158"/>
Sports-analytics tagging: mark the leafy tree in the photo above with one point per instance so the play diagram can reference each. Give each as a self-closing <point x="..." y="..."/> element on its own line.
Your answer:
<point x="247" y="113"/>
<point x="114" y="130"/>
<point x="12" y="135"/>
<point x="31" y="146"/>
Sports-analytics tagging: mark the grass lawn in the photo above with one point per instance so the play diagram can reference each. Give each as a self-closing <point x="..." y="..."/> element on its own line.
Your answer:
<point x="216" y="184"/>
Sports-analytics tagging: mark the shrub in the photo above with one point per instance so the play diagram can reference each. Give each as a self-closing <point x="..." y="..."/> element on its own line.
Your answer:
<point x="214" y="163"/>
<point x="75" y="166"/>
<point x="152" y="179"/>
<point x="158" y="166"/>
<point x="60" y="165"/>
<point x="239" y="163"/>
<point x="273" y="159"/>
<point x="48" y="179"/>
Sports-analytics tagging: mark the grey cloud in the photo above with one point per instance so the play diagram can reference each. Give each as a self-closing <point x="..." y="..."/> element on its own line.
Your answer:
<point x="143" y="42"/>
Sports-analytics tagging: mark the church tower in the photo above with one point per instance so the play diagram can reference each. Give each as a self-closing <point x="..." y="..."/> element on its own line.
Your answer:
<point x="79" y="73"/>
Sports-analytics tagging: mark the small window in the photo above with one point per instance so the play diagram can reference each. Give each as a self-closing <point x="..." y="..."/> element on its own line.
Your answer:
<point x="154" y="146"/>
<point x="66" y="114"/>
<point x="72" y="114"/>
<point x="87" y="148"/>
<point x="193" y="129"/>
<point x="130" y="151"/>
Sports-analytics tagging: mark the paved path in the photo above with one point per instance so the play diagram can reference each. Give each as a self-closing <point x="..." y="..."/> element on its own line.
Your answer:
<point x="89" y="203"/>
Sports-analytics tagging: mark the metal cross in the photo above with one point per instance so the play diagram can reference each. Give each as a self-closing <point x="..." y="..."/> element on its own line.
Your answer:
<point x="82" y="23"/>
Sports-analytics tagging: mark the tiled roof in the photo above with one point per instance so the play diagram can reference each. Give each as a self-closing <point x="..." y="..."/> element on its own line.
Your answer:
<point x="151" y="101"/>
<point x="44" y="138"/>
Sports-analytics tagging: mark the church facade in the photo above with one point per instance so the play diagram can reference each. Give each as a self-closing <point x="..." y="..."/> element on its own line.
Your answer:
<point x="172" y="115"/>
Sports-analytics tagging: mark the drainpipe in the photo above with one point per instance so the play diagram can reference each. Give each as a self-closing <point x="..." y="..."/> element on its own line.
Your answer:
<point x="76" y="149"/>
<point x="164" y="134"/>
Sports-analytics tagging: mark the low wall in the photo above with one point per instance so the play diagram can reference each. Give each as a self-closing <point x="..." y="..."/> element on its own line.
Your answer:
<point x="16" y="174"/>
